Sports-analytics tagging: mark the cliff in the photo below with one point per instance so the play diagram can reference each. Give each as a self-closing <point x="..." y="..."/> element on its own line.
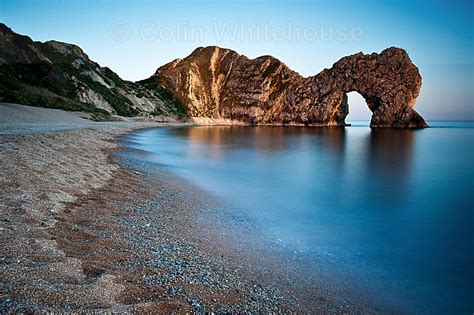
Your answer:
<point x="60" y="75"/>
<point x="212" y="82"/>
<point x="220" y="83"/>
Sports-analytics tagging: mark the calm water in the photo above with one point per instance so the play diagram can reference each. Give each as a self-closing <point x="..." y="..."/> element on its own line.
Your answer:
<point x="392" y="208"/>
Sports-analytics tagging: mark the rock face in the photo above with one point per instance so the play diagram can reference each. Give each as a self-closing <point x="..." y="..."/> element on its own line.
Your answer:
<point x="61" y="75"/>
<point x="211" y="83"/>
<point x="220" y="83"/>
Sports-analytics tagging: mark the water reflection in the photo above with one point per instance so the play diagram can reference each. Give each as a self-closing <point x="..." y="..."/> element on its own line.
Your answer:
<point x="349" y="160"/>
<point x="387" y="151"/>
<point x="390" y="151"/>
<point x="342" y="160"/>
<point x="262" y="138"/>
<point x="389" y="154"/>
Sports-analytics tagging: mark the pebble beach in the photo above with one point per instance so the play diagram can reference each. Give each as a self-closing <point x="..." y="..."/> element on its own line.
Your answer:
<point x="87" y="227"/>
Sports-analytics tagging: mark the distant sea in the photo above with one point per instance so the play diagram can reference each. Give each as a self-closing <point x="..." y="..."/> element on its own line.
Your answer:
<point x="390" y="209"/>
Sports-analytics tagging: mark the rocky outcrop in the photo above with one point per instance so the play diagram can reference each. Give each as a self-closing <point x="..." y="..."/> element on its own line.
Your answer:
<point x="61" y="75"/>
<point x="212" y="83"/>
<point x="222" y="84"/>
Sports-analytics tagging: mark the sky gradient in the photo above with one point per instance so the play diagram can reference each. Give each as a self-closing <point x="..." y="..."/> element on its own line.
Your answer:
<point x="134" y="38"/>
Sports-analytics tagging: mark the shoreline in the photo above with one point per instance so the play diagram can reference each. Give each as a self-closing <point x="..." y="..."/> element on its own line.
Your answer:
<point x="81" y="231"/>
<point x="220" y="230"/>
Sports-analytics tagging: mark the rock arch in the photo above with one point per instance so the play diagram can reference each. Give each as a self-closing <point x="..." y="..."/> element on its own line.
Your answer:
<point x="220" y="83"/>
<point x="389" y="83"/>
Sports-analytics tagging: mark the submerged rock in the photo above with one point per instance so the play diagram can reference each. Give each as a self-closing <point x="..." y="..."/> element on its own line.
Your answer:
<point x="220" y="83"/>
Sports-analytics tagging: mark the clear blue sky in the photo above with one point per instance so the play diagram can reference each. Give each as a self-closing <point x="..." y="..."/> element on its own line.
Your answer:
<point x="135" y="37"/>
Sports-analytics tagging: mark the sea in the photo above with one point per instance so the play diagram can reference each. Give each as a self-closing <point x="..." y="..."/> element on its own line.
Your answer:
<point x="389" y="209"/>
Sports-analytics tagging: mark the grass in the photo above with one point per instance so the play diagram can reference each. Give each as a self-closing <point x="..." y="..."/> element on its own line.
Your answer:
<point x="53" y="85"/>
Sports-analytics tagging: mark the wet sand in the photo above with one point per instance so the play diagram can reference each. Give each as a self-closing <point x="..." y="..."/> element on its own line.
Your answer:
<point x="87" y="226"/>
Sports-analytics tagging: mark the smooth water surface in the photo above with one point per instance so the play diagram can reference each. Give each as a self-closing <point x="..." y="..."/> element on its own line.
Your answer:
<point x="392" y="208"/>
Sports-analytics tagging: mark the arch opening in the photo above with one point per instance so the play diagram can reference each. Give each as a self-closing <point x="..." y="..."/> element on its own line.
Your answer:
<point x="359" y="112"/>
